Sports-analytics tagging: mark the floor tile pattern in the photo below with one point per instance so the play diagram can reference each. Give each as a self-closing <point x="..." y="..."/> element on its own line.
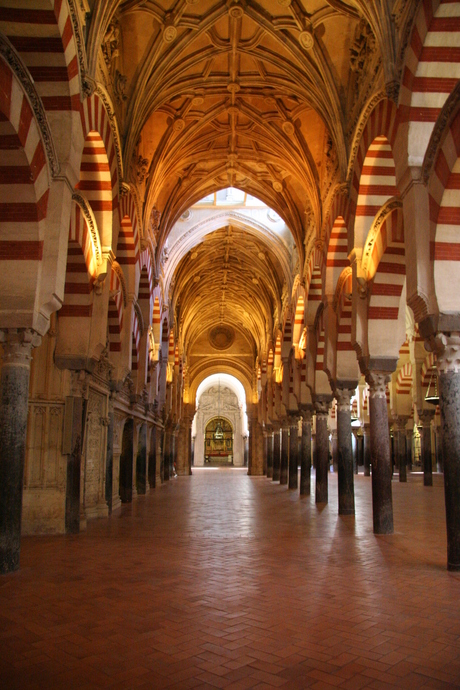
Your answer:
<point x="221" y="580"/>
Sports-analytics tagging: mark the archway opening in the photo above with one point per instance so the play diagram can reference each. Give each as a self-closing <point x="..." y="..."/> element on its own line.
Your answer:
<point x="218" y="443"/>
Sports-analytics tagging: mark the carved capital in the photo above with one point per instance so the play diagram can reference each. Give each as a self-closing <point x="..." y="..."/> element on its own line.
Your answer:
<point x="377" y="382"/>
<point x="447" y="349"/>
<point x="17" y="346"/>
<point x="322" y="409"/>
<point x="343" y="397"/>
<point x="425" y="417"/>
<point x="79" y="384"/>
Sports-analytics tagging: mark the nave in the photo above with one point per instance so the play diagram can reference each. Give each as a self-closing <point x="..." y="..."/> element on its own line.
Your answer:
<point x="222" y="580"/>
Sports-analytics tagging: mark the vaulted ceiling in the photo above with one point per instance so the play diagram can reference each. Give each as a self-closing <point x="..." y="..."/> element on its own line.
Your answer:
<point x="263" y="96"/>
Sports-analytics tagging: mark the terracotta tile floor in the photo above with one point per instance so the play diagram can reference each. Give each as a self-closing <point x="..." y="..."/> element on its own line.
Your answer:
<point x="221" y="580"/>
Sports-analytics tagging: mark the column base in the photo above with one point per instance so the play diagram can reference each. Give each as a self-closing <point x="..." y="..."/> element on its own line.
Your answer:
<point x="116" y="503"/>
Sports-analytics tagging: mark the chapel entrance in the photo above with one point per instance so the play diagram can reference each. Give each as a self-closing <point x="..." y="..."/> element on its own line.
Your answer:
<point x="218" y="443"/>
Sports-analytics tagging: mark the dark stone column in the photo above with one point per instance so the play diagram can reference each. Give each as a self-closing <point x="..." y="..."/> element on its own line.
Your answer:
<point x="448" y="364"/>
<point x="425" y="417"/>
<point x="313" y="448"/>
<point x="162" y="433"/>
<point x="109" y="457"/>
<point x="284" y="453"/>
<point x="76" y="410"/>
<point x="367" y="449"/>
<point x="166" y="454"/>
<point x="399" y="435"/>
<point x="293" y="452"/>
<point x="359" y="444"/>
<point x="276" y="453"/>
<point x="14" y="397"/>
<point x="382" y="500"/>
<point x="265" y="452"/>
<point x="269" y="452"/>
<point x="335" y="457"/>
<point x="438" y="438"/>
<point x="409" y="436"/>
<point x="153" y="458"/>
<point x="322" y="451"/>
<point x="141" y="461"/>
<point x="305" y="458"/>
<point x="345" y="451"/>
<point x="354" y="449"/>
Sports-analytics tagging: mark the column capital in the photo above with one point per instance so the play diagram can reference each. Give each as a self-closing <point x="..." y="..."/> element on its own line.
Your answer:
<point x="399" y="422"/>
<point x="447" y="349"/>
<point x="322" y="408"/>
<point x="343" y="397"/>
<point x="377" y="382"/>
<point x="306" y="414"/>
<point x="17" y="345"/>
<point x="425" y="416"/>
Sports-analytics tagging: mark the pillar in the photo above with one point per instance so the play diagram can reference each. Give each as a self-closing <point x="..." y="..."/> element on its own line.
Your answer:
<point x="184" y="442"/>
<point x="345" y="451"/>
<point x="367" y="449"/>
<point x="75" y="413"/>
<point x="276" y="453"/>
<point x="14" y="396"/>
<point x="448" y="364"/>
<point x="425" y="417"/>
<point x="354" y="446"/>
<point x="382" y="500"/>
<point x="359" y="446"/>
<point x="109" y="456"/>
<point x="305" y="457"/>
<point x="409" y="435"/>
<point x="166" y="454"/>
<point x="269" y="452"/>
<point x="265" y="452"/>
<point x="284" y="453"/>
<point x="399" y="435"/>
<point x="438" y="438"/>
<point x="322" y="451"/>
<point x="335" y="459"/>
<point x="293" y="451"/>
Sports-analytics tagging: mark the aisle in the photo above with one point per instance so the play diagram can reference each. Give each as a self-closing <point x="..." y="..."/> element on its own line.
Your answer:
<point x="221" y="580"/>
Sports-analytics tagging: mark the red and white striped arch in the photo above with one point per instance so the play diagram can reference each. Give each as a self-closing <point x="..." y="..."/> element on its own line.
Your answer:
<point x="298" y="320"/>
<point x="344" y="313"/>
<point x="78" y="292"/>
<point x="314" y="284"/>
<point x="337" y="254"/>
<point x="386" y="268"/>
<point x="24" y="191"/>
<point x="444" y="190"/>
<point x="431" y="71"/>
<point x="277" y="360"/>
<point x="377" y="184"/>
<point x="127" y="253"/>
<point x="156" y="321"/>
<point x="94" y="119"/>
<point x="136" y="338"/>
<point x="145" y="290"/>
<point x="80" y="233"/>
<point x="287" y="339"/>
<point x="43" y="36"/>
<point x="171" y="348"/>
<point x="115" y="314"/>
<point x="404" y="380"/>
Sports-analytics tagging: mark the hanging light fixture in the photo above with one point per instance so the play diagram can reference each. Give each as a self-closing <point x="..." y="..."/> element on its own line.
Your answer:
<point x="218" y="432"/>
<point x="432" y="396"/>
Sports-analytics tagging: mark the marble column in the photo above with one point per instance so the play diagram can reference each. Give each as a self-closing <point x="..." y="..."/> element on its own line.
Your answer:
<point x="409" y="435"/>
<point x="276" y="453"/>
<point x="345" y="451"/>
<point x="265" y="452"/>
<point x="425" y="417"/>
<point x="382" y="500"/>
<point x="284" y="453"/>
<point x="141" y="461"/>
<point x="305" y="458"/>
<point x="367" y="449"/>
<point x="354" y="448"/>
<point x="293" y="451"/>
<point x="438" y="439"/>
<point x="166" y="454"/>
<point x="448" y="364"/>
<point x="14" y="396"/>
<point x="109" y="456"/>
<point x="75" y="408"/>
<point x="399" y="435"/>
<point x="359" y="445"/>
<point x="335" y="458"/>
<point x="269" y="452"/>
<point x="322" y="451"/>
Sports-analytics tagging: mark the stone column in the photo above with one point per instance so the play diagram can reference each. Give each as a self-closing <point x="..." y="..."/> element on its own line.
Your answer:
<point x="265" y="451"/>
<point x="335" y="457"/>
<point x="269" y="452"/>
<point x="293" y="451"/>
<point x="359" y="445"/>
<point x="367" y="449"/>
<point x="345" y="451"/>
<point x="354" y="449"/>
<point x="399" y="435"/>
<point x="382" y="500"/>
<point x="448" y="363"/>
<point x="284" y="453"/>
<point x="439" y="462"/>
<point x="166" y="454"/>
<point x="409" y="435"/>
<point x="425" y="417"/>
<point x="322" y="451"/>
<point x="75" y="419"/>
<point x="14" y="397"/>
<point x="109" y="456"/>
<point x="276" y="453"/>
<point x="305" y="458"/>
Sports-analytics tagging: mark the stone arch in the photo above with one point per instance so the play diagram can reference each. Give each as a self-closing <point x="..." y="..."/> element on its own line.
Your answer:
<point x="337" y="254"/>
